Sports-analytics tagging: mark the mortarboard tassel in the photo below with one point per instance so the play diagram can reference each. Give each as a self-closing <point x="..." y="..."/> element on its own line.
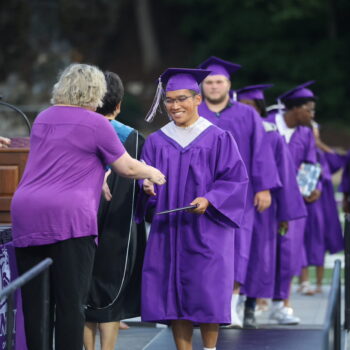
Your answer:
<point x="156" y="102"/>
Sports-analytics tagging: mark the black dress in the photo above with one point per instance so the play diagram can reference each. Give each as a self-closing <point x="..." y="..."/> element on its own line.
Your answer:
<point x="116" y="281"/>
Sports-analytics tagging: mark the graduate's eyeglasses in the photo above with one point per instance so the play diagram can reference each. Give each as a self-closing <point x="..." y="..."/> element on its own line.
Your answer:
<point x="180" y="99"/>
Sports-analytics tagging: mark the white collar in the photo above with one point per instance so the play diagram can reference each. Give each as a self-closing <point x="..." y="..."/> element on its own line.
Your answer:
<point x="283" y="128"/>
<point x="184" y="136"/>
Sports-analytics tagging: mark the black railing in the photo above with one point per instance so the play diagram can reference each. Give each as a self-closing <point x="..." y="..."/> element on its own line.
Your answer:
<point x="347" y="272"/>
<point x="332" y="329"/>
<point x="10" y="289"/>
<point x="16" y="109"/>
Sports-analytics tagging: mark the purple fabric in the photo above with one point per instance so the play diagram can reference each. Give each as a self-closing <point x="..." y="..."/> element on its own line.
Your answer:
<point x="287" y="205"/>
<point x="323" y="229"/>
<point x="245" y="125"/>
<point x="60" y="190"/>
<point x="345" y="180"/>
<point x="188" y="270"/>
<point x="183" y="78"/>
<point x="291" y="251"/>
<point x="252" y="92"/>
<point x="9" y="273"/>
<point x="218" y="66"/>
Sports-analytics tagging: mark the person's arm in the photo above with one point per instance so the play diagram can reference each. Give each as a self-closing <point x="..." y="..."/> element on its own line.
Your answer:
<point x="4" y="142"/>
<point x="264" y="174"/>
<point x="127" y="166"/>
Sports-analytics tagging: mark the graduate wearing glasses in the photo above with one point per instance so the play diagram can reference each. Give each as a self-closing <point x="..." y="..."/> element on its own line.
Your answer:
<point x="188" y="269"/>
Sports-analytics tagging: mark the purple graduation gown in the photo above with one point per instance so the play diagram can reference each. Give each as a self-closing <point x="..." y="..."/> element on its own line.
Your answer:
<point x="246" y="127"/>
<point x="290" y="248"/>
<point x="323" y="229"/>
<point x="287" y="204"/>
<point x="188" y="270"/>
<point x="345" y="181"/>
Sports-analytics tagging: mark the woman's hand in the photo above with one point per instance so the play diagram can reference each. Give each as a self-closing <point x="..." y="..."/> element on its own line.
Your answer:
<point x="202" y="205"/>
<point x="4" y="142"/>
<point x="157" y="177"/>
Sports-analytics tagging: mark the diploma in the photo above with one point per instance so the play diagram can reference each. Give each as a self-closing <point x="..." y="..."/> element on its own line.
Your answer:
<point x="177" y="209"/>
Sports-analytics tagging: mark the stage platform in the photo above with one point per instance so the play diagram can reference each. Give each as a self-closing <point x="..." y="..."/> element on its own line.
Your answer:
<point x="306" y="336"/>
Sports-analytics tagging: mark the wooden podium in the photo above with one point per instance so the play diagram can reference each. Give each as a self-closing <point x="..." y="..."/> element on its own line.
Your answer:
<point x="12" y="164"/>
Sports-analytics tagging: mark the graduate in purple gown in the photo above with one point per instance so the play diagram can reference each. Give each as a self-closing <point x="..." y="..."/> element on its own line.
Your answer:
<point x="323" y="229"/>
<point x="246" y="127"/>
<point x="294" y="123"/>
<point x="287" y="204"/>
<point x="188" y="269"/>
<point x="345" y="184"/>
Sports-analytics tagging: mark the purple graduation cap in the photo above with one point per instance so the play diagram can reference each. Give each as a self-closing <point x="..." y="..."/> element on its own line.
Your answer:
<point x="176" y="79"/>
<point x="252" y="92"/>
<point x="300" y="91"/>
<point x="217" y="66"/>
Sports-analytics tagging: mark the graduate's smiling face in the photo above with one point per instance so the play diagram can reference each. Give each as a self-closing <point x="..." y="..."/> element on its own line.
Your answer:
<point x="182" y="106"/>
<point x="216" y="88"/>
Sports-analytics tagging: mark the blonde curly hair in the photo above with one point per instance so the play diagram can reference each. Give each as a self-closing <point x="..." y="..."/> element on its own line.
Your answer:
<point x="80" y="85"/>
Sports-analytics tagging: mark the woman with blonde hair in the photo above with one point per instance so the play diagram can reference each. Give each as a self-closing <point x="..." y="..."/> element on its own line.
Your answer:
<point x="54" y="210"/>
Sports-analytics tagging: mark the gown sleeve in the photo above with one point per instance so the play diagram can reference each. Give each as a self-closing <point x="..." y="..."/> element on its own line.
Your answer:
<point x="227" y="193"/>
<point x="290" y="203"/>
<point x="263" y="172"/>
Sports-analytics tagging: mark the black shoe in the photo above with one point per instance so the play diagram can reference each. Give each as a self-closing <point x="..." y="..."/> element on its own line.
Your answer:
<point x="249" y="320"/>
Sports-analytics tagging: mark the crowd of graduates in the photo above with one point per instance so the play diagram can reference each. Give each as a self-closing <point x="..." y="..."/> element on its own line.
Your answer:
<point x="248" y="204"/>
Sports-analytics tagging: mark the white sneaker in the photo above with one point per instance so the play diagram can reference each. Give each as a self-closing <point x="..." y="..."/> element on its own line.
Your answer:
<point x="236" y="321"/>
<point x="284" y="316"/>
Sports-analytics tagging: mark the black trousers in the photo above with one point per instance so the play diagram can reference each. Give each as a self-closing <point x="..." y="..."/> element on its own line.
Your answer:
<point x="70" y="276"/>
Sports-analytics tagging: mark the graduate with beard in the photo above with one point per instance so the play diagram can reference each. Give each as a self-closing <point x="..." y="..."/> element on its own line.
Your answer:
<point x="287" y="204"/>
<point x="244" y="123"/>
<point x="188" y="269"/>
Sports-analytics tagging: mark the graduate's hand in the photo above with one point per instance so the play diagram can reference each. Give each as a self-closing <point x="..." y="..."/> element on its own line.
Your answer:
<point x="262" y="200"/>
<point x="4" y="142"/>
<point x="202" y="205"/>
<point x="148" y="187"/>
<point x="283" y="228"/>
<point x="106" y="191"/>
<point x="314" y="196"/>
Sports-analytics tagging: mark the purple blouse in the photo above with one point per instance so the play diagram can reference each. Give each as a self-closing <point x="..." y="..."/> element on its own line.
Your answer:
<point x="60" y="190"/>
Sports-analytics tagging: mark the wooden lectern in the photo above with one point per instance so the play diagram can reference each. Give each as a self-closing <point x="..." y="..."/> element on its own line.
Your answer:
<point x="12" y="164"/>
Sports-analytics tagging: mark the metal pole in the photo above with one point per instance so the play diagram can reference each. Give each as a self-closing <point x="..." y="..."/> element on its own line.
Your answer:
<point x="337" y="322"/>
<point x="46" y="315"/>
<point x="9" y="321"/>
<point x="347" y="272"/>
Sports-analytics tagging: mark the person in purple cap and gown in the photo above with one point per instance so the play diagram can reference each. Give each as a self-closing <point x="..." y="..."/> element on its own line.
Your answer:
<point x="294" y="123"/>
<point x="188" y="268"/>
<point x="345" y="184"/>
<point x="323" y="229"/>
<point x="244" y="123"/>
<point x="287" y="205"/>
<point x="54" y="209"/>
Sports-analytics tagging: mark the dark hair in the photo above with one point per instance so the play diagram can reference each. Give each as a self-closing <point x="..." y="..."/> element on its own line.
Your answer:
<point x="114" y="94"/>
<point x="261" y="105"/>
<point x="297" y="102"/>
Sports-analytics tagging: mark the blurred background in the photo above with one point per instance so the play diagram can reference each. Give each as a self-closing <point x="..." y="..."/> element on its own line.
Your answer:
<point x="284" y="42"/>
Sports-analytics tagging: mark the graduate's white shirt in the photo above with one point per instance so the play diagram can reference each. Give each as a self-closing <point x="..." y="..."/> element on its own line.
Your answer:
<point x="282" y="127"/>
<point x="184" y="136"/>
